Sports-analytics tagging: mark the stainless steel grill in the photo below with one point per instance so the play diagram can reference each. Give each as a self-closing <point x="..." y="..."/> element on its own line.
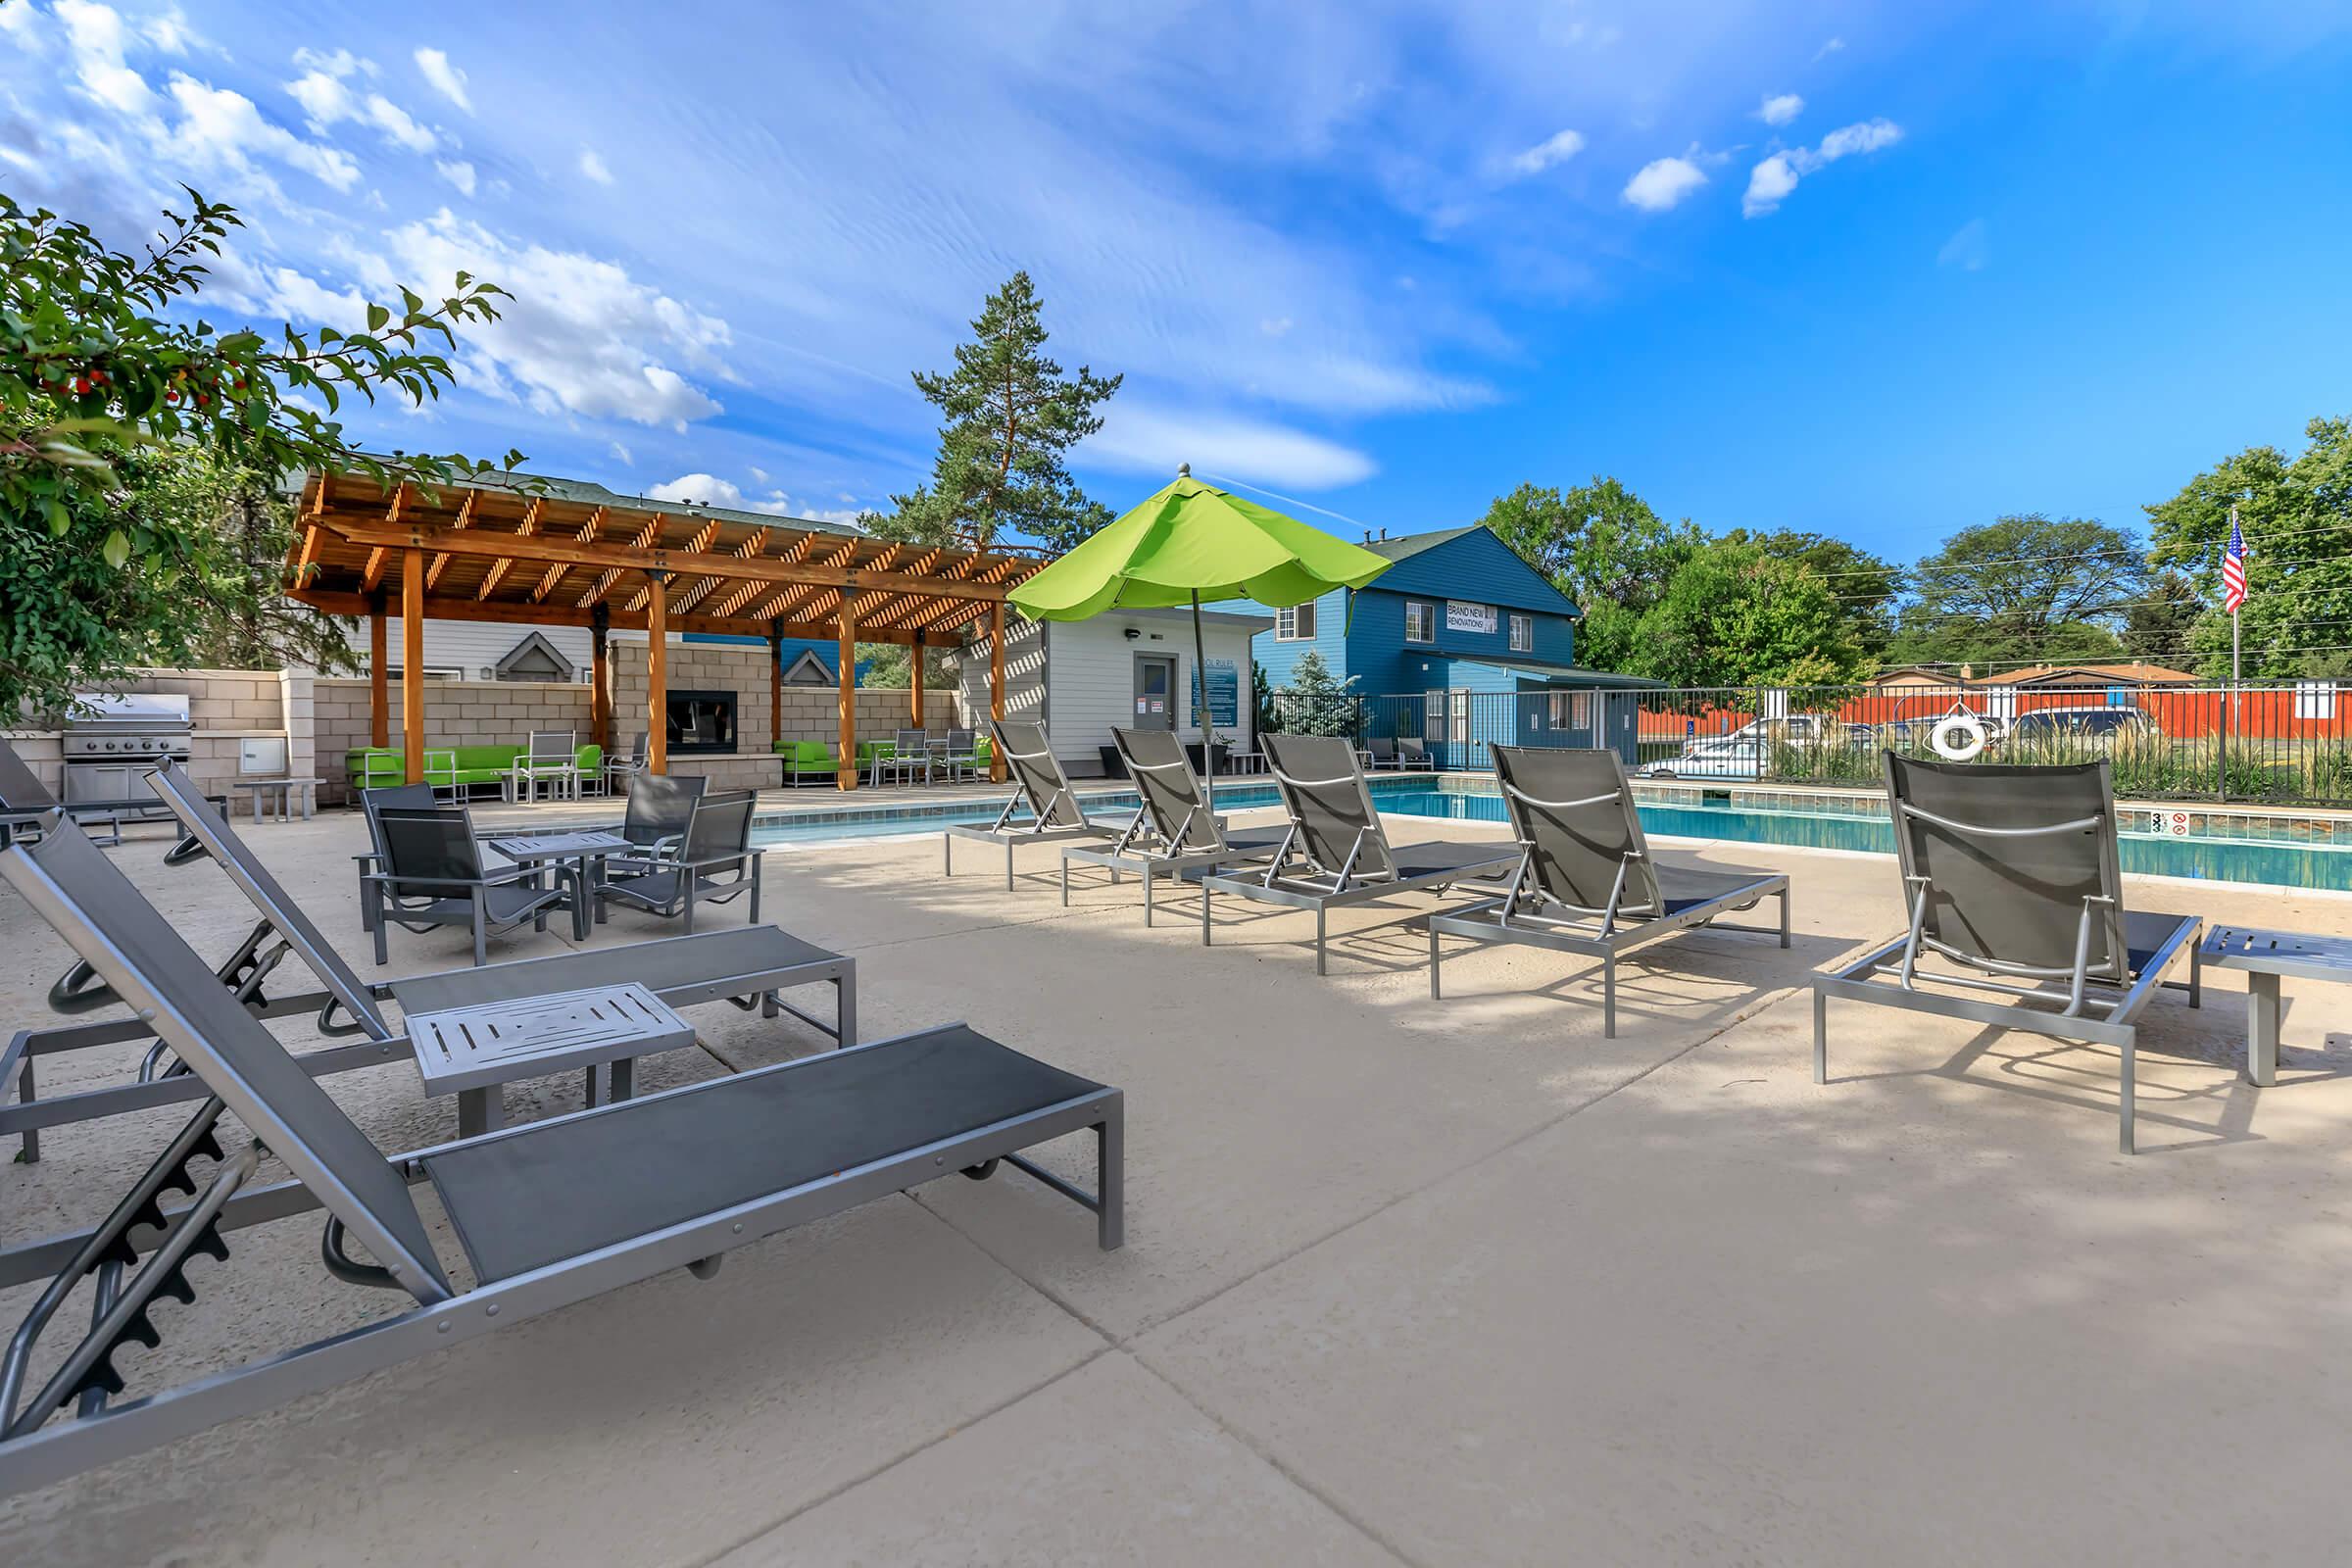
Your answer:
<point x="114" y="742"/>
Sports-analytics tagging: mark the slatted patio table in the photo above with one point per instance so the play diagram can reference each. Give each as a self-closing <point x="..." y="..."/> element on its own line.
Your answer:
<point x="474" y="1051"/>
<point x="2266" y="956"/>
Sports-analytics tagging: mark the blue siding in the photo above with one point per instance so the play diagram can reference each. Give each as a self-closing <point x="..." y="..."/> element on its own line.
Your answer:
<point x="1475" y="566"/>
<point x="1279" y="658"/>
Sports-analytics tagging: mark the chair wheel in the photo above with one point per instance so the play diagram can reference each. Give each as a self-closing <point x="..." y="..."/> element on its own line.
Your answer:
<point x="982" y="1171"/>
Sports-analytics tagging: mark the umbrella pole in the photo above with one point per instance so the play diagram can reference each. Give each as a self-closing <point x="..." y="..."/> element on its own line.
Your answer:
<point x="1208" y="735"/>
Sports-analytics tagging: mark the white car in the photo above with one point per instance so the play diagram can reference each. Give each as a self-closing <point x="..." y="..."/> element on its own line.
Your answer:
<point x="1738" y="755"/>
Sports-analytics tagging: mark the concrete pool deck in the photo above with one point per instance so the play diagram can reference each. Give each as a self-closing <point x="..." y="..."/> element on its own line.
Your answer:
<point x="1405" y="1282"/>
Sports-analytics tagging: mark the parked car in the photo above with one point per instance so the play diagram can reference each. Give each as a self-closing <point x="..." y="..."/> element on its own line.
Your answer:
<point x="1738" y="755"/>
<point x="2047" y="729"/>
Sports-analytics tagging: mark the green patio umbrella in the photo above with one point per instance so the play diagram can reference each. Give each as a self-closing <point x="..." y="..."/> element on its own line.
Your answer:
<point x="1188" y="543"/>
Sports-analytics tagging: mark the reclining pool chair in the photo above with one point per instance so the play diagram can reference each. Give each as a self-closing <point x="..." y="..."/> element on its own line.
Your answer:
<point x="1334" y="852"/>
<point x="713" y="864"/>
<point x="1587" y="882"/>
<point x="751" y="966"/>
<point x="1040" y="784"/>
<point x="548" y="1214"/>
<point x="2010" y="874"/>
<point x="1174" y="831"/>
<point x="25" y="802"/>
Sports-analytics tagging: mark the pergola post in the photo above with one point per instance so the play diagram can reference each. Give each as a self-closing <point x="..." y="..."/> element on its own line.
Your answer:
<point x="914" y="698"/>
<point x="656" y="673"/>
<point x="412" y="663"/>
<point x="844" y="765"/>
<point x="776" y="686"/>
<point x="600" y="677"/>
<point x="380" y="679"/>
<point x="996" y="686"/>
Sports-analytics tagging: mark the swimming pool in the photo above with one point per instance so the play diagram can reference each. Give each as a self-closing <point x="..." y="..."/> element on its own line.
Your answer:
<point x="2277" y="862"/>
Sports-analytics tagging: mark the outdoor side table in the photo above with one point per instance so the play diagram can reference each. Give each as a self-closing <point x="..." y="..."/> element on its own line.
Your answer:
<point x="286" y="792"/>
<point x="2266" y="956"/>
<point x="585" y="850"/>
<point x="474" y="1053"/>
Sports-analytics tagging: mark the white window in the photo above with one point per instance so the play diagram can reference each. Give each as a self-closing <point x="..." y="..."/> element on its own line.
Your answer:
<point x="1523" y="635"/>
<point x="1571" y="710"/>
<point x="1461" y="718"/>
<point x="1420" y="621"/>
<point x="1297" y="624"/>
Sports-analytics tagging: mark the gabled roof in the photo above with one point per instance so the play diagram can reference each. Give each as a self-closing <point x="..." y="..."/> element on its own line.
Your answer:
<point x="2136" y="672"/>
<point x="1407" y="546"/>
<point x="1550" y="669"/>
<point x="1426" y="577"/>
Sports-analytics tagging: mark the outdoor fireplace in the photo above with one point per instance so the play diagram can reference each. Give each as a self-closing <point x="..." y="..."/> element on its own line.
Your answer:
<point x="702" y="723"/>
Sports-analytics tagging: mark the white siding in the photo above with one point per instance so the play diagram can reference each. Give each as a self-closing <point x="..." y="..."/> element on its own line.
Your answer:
<point x="1024" y="675"/>
<point x="468" y="647"/>
<point x="1090" y="679"/>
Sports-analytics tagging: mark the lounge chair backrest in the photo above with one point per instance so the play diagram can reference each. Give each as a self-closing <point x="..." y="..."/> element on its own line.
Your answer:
<point x="2008" y="855"/>
<point x="1037" y="771"/>
<point x="1413" y="749"/>
<point x="660" y="805"/>
<point x="1322" y="786"/>
<point x="20" y="789"/>
<point x="136" y="950"/>
<point x="1573" y="811"/>
<point x="721" y="825"/>
<point x="554" y="746"/>
<point x="435" y="843"/>
<point x="1171" y="793"/>
<point x="1383" y="749"/>
<point x="210" y="829"/>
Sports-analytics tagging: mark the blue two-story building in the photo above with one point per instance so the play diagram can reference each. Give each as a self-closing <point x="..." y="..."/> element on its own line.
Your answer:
<point x="1460" y="642"/>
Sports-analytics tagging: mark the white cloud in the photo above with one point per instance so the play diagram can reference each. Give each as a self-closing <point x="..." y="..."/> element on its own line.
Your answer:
<point x="397" y="126"/>
<point x="447" y="79"/>
<point x="305" y="302"/>
<point x="327" y="100"/>
<point x="708" y="490"/>
<point x="1771" y="180"/>
<point x="1554" y="149"/>
<point x="1968" y="249"/>
<point x="620" y="455"/>
<point x="1277" y="326"/>
<point x="592" y="164"/>
<point x="579" y="336"/>
<point x="759" y="473"/>
<point x="223" y="129"/>
<point x="1142" y="439"/>
<point x="459" y="173"/>
<point x="1780" y="108"/>
<point x="323" y="98"/>
<point x="1830" y="48"/>
<point x="1767" y="184"/>
<point x="97" y="39"/>
<point x="1662" y="183"/>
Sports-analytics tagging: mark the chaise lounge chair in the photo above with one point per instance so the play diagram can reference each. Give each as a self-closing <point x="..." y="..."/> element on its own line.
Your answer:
<point x="1173" y="831"/>
<point x="1334" y="852"/>
<point x="2011" y="874"/>
<point x="750" y="966"/>
<point x="1054" y="815"/>
<point x="547" y="1215"/>
<point x="1587" y="882"/>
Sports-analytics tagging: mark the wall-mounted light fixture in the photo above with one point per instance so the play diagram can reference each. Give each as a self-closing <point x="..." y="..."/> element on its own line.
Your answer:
<point x="1132" y="633"/>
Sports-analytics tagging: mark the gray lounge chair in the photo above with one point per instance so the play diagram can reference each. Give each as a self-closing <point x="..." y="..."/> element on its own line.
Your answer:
<point x="25" y="802"/>
<point x="1587" y="882"/>
<point x="433" y="875"/>
<point x="715" y="864"/>
<point x="1040" y="784"/>
<point x="1334" y="852"/>
<point x="749" y="966"/>
<point x="1412" y="752"/>
<point x="548" y="1213"/>
<point x="2011" y="874"/>
<point x="1173" y="831"/>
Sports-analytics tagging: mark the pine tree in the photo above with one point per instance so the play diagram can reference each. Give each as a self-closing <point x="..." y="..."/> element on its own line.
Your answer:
<point x="1010" y="416"/>
<point x="1315" y="703"/>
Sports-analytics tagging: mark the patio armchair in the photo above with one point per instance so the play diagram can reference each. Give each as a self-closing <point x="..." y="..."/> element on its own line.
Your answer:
<point x="549" y="758"/>
<point x="1379" y="752"/>
<point x="619" y="769"/>
<point x="962" y="756"/>
<point x="909" y="754"/>
<point x="713" y="864"/>
<point x="1412" y="752"/>
<point x="433" y="874"/>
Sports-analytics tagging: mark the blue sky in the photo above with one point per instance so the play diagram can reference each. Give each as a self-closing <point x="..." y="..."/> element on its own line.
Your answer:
<point x="1882" y="270"/>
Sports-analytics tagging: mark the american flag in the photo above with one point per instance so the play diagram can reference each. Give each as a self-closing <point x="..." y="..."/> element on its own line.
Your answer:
<point x="2233" y="569"/>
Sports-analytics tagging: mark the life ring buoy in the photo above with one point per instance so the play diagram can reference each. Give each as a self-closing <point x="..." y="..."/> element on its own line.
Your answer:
<point x="1958" y="738"/>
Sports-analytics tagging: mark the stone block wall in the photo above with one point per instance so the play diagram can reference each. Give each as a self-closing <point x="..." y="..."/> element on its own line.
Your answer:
<point x="456" y="713"/>
<point x="226" y="707"/>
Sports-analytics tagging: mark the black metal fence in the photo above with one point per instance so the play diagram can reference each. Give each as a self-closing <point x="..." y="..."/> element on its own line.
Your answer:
<point x="2283" y="744"/>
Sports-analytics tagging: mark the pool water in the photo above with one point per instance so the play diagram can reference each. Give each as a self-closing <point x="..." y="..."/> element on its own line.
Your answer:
<point x="2278" y="864"/>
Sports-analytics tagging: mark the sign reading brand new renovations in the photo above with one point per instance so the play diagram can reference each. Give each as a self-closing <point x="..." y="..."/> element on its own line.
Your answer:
<point x="1460" y="617"/>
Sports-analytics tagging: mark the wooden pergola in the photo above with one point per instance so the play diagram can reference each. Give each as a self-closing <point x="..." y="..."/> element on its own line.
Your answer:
<point x="557" y="555"/>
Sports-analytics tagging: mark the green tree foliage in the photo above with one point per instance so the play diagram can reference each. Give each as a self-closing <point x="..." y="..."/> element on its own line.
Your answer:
<point x="1865" y="586"/>
<point x="1604" y="547"/>
<point x="1736" y="614"/>
<point x="108" y="382"/>
<point x="2296" y="514"/>
<point x="1010" y="418"/>
<point x="2159" y="628"/>
<point x="1315" y="703"/>
<point x="2023" y="589"/>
